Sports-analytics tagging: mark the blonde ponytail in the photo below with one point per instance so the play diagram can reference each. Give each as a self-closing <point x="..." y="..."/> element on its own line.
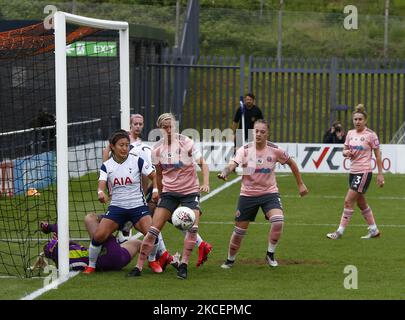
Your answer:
<point x="360" y="109"/>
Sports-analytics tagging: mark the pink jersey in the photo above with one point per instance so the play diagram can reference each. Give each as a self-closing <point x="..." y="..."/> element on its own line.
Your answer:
<point x="362" y="145"/>
<point x="258" y="168"/>
<point x="177" y="161"/>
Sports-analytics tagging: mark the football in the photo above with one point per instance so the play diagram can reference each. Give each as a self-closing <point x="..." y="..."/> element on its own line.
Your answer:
<point x="183" y="218"/>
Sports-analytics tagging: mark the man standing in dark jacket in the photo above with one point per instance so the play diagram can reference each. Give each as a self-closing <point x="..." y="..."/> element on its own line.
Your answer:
<point x="251" y="114"/>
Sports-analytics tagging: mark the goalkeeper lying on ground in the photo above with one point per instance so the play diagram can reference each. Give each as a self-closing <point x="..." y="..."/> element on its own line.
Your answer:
<point x="114" y="256"/>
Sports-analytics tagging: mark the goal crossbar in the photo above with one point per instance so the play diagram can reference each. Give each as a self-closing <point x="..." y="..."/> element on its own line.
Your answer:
<point x="60" y="20"/>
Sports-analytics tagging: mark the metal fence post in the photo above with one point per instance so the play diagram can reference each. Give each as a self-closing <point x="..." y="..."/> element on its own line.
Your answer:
<point x="333" y="80"/>
<point x="242" y="76"/>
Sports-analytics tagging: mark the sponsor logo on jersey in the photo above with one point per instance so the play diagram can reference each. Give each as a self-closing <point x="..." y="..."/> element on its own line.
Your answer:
<point x="251" y="170"/>
<point x="176" y="166"/>
<point x="121" y="181"/>
<point x="360" y="148"/>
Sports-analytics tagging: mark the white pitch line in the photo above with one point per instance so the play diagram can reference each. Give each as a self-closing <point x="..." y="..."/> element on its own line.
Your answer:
<point x="40" y="239"/>
<point x="16" y="277"/>
<point x="227" y="185"/>
<point x="309" y="195"/>
<point x="52" y="285"/>
<point x="306" y="224"/>
<point x="219" y="189"/>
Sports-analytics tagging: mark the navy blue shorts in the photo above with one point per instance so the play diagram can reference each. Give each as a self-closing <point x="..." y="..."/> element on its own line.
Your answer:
<point x="171" y="200"/>
<point x="359" y="182"/>
<point x="120" y="215"/>
<point x="249" y="206"/>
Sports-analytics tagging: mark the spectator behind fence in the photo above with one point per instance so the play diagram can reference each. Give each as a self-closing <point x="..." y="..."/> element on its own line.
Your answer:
<point x="335" y="134"/>
<point x="251" y="113"/>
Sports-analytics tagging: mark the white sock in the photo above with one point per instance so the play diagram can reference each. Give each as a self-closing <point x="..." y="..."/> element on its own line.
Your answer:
<point x="231" y="258"/>
<point x="198" y="240"/>
<point x="373" y="227"/>
<point x="161" y="246"/>
<point x="341" y="229"/>
<point x="152" y="255"/>
<point x="94" y="251"/>
<point x="272" y="247"/>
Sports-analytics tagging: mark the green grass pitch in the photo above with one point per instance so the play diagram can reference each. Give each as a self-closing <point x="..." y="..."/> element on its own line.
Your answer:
<point x="311" y="266"/>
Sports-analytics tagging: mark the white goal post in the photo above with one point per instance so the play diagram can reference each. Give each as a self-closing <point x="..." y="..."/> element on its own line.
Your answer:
<point x="60" y="20"/>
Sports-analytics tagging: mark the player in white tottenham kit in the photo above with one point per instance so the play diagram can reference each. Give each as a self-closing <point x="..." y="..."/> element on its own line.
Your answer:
<point x="123" y="172"/>
<point x="259" y="189"/>
<point x="360" y="143"/>
<point x="139" y="148"/>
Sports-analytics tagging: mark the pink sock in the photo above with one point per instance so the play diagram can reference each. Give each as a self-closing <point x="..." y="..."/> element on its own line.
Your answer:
<point x="368" y="215"/>
<point x="189" y="243"/>
<point x="346" y="216"/>
<point x="236" y="240"/>
<point x="147" y="246"/>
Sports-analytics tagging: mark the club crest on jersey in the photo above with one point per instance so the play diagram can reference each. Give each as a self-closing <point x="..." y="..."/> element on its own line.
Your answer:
<point x="362" y="139"/>
<point x="259" y="161"/>
<point x="121" y="181"/>
<point x="269" y="159"/>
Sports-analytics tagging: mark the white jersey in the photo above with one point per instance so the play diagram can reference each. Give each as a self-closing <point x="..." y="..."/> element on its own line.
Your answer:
<point x="141" y="150"/>
<point x="124" y="179"/>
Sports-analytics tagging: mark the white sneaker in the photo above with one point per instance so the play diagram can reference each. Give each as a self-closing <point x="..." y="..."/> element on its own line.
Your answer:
<point x="270" y="260"/>
<point x="372" y="233"/>
<point x="228" y="264"/>
<point x="334" y="235"/>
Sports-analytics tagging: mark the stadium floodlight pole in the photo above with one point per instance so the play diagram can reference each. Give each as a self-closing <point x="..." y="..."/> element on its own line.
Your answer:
<point x="60" y="20"/>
